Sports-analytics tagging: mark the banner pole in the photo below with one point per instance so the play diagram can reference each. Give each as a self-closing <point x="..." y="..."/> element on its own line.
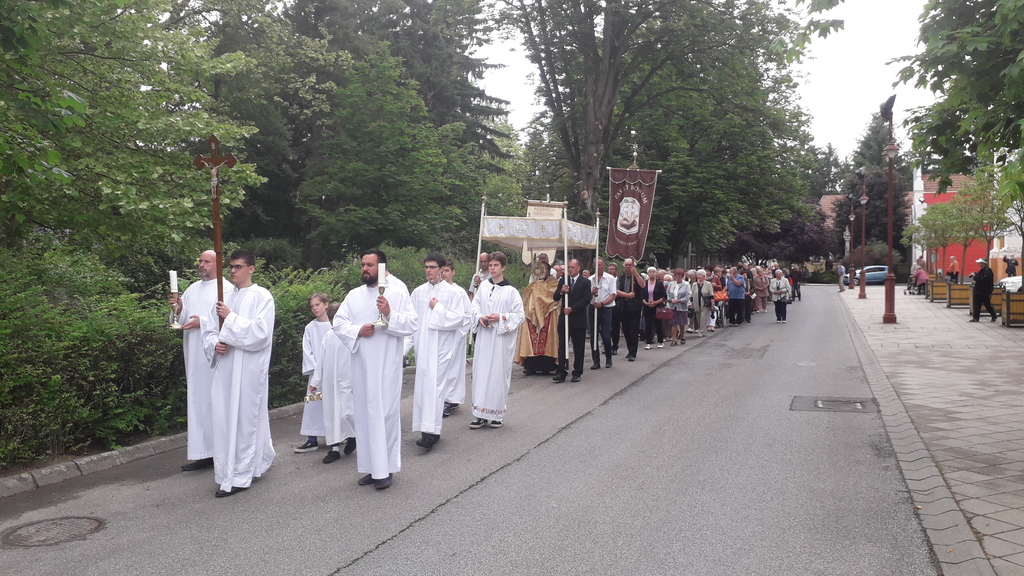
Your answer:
<point x="565" y="277"/>
<point x="479" y="240"/>
<point x="597" y="274"/>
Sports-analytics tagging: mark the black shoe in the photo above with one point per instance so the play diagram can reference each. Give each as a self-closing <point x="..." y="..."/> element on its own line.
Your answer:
<point x="366" y="480"/>
<point x="973" y="319"/>
<point x="631" y="358"/>
<point x="608" y="364"/>
<point x="198" y="465"/>
<point x="428" y="440"/>
<point x="993" y="319"/>
<point x="333" y="455"/>
<point x="529" y="372"/>
<point x="596" y="366"/>
<point x="350" y="446"/>
<point x="477" y="424"/>
<point x="576" y="378"/>
<point x="234" y="490"/>
<point x="615" y="351"/>
<point x="383" y="483"/>
<point x="309" y="446"/>
<point x="559" y="378"/>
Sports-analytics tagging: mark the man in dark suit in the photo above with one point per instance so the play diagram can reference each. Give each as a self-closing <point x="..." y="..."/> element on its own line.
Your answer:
<point x="574" y="291"/>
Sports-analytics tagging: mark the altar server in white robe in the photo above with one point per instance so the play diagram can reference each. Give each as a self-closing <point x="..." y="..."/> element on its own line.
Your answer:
<point x="376" y="367"/>
<point x="333" y="378"/>
<point x="497" y="314"/>
<point x="442" y="316"/>
<point x="240" y="353"/>
<point x="455" y="379"/>
<point x="312" y="344"/>
<point x="194" y="304"/>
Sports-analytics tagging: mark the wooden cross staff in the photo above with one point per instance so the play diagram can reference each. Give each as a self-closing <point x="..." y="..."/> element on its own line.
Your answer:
<point x="214" y="162"/>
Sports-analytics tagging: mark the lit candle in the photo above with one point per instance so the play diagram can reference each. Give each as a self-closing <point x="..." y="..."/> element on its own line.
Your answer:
<point x="382" y="274"/>
<point x="174" y="281"/>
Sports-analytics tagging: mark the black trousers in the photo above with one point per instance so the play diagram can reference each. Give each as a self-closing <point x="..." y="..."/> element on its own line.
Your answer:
<point x="604" y="329"/>
<point x="578" y="337"/>
<point x="652" y="325"/>
<point x="630" y="322"/>
<point x="980" y="300"/>
<point x="748" y="308"/>
<point x="780" y="309"/>
<point x="616" y="330"/>
<point x="736" y="308"/>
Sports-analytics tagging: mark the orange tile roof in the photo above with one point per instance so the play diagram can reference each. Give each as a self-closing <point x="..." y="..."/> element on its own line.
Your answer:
<point x="828" y="205"/>
<point x="931" y="184"/>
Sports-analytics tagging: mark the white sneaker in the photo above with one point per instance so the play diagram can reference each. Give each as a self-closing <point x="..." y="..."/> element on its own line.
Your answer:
<point x="648" y="347"/>
<point x="661" y="345"/>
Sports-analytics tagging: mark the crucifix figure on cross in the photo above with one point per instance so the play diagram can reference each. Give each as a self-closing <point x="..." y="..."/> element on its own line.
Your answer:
<point x="214" y="162"/>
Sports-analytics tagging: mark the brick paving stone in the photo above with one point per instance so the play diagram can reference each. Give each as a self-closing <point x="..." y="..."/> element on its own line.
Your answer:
<point x="1009" y="499"/>
<point x="1004" y="568"/>
<point x="1015" y="536"/>
<point x="989" y="525"/>
<point x="995" y="546"/>
<point x="980" y="507"/>
<point x="1013" y="516"/>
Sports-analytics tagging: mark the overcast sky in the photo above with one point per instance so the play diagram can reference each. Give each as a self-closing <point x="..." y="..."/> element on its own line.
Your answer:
<point x="845" y="78"/>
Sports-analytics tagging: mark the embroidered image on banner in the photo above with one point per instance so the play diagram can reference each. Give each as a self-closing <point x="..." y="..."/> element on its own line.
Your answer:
<point x="630" y="199"/>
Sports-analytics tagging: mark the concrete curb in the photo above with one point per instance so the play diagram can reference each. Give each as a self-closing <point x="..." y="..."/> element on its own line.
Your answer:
<point x="953" y="543"/>
<point x="11" y="485"/>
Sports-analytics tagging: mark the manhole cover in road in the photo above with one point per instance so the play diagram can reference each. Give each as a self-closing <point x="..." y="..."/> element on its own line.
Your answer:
<point x="50" y="532"/>
<point x="833" y="404"/>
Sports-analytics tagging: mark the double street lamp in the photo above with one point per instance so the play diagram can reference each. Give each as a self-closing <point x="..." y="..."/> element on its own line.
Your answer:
<point x="863" y="229"/>
<point x="890" y="151"/>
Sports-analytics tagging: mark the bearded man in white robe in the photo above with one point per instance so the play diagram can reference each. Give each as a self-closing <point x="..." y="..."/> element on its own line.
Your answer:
<point x="376" y="367"/>
<point x="195" y="303"/>
<point x="442" y="316"/>
<point x="240" y="354"/>
<point x="497" y="314"/>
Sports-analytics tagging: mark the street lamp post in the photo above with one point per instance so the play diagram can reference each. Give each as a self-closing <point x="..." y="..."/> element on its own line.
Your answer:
<point x="849" y="271"/>
<point x="891" y="150"/>
<point x="863" y="229"/>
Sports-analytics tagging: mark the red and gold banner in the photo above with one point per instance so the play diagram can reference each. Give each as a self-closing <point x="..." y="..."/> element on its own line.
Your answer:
<point x="630" y="199"/>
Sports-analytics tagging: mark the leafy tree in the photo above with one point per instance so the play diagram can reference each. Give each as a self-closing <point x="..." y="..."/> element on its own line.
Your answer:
<point x="825" y="171"/>
<point x="379" y="174"/>
<point x="796" y="240"/>
<point x="130" y="182"/>
<point x="984" y="206"/>
<point x="970" y="59"/>
<point x="599" y="64"/>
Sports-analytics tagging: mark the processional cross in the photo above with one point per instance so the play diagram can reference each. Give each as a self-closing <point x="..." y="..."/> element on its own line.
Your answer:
<point x="214" y="162"/>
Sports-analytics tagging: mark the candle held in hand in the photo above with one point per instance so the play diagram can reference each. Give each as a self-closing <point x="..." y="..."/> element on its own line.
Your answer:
<point x="174" y="281"/>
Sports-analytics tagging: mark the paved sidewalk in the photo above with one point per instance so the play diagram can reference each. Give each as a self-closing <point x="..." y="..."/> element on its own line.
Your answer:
<point x="961" y="385"/>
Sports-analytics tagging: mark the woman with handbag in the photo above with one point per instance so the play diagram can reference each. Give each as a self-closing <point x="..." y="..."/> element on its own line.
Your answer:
<point x="654" y="297"/>
<point x="702" y="298"/>
<point x="678" y="294"/>
<point x="779" y="290"/>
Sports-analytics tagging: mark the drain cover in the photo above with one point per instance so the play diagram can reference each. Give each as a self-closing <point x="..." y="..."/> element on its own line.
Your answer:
<point x="833" y="404"/>
<point x="50" y="532"/>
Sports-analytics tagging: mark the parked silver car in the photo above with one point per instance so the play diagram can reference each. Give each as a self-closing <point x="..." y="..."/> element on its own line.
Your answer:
<point x="1011" y="284"/>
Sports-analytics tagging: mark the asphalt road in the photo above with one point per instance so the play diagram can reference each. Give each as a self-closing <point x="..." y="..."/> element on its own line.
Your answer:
<point x="688" y="462"/>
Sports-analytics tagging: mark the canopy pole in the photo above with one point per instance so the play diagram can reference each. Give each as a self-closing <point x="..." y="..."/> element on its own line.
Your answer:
<point x="597" y="274"/>
<point x="565" y="279"/>
<point x="479" y="239"/>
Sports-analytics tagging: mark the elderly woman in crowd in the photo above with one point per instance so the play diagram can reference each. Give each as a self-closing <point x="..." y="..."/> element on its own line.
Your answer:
<point x="779" y="289"/>
<point x="654" y="297"/>
<point x="678" y="294"/>
<point x="761" y="281"/>
<point x="702" y="299"/>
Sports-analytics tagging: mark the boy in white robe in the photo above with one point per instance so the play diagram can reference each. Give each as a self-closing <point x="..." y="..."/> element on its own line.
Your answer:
<point x="376" y="367"/>
<point x="195" y="303"/>
<point x="497" y="314"/>
<point x="441" y="316"/>
<point x="333" y="378"/>
<point x="240" y="354"/>
<point x="455" y="379"/>
<point x="312" y="343"/>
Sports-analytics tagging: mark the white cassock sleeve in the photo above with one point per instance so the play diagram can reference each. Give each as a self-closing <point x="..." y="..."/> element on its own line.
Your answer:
<point x="250" y="334"/>
<point x="402" y="320"/>
<point x="454" y="318"/>
<point x="309" y="355"/>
